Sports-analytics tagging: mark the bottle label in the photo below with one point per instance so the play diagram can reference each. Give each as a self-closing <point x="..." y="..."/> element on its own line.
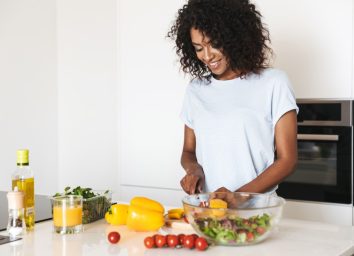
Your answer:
<point x="29" y="211"/>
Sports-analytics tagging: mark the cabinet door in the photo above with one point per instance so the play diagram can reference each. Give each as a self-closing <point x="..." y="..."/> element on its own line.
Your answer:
<point x="151" y="90"/>
<point x="313" y="43"/>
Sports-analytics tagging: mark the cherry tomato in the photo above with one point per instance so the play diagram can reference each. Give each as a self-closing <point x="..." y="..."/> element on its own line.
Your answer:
<point x="260" y="230"/>
<point x="160" y="241"/>
<point x="113" y="237"/>
<point x="201" y="244"/>
<point x="149" y="242"/>
<point x="180" y="238"/>
<point x="250" y="236"/>
<point x="195" y="236"/>
<point x="188" y="241"/>
<point x="172" y="241"/>
<point x="154" y="237"/>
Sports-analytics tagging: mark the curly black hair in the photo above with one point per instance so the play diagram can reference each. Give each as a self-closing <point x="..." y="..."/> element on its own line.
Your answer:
<point x="233" y="26"/>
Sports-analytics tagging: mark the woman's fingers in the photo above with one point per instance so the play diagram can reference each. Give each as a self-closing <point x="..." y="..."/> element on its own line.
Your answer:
<point x="222" y="195"/>
<point x="199" y="186"/>
<point x="189" y="184"/>
<point x="184" y="186"/>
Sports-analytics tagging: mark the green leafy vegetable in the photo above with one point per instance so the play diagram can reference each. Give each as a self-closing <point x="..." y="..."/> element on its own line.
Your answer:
<point x="94" y="206"/>
<point x="234" y="229"/>
<point x="79" y="191"/>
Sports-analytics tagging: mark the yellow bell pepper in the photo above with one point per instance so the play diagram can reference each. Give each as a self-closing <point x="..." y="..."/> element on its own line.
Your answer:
<point x="145" y="214"/>
<point x="117" y="214"/>
<point x="147" y="203"/>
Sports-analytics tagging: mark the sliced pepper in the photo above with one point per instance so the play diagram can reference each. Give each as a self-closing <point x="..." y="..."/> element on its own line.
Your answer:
<point x="218" y="206"/>
<point x="176" y="213"/>
<point x="217" y="203"/>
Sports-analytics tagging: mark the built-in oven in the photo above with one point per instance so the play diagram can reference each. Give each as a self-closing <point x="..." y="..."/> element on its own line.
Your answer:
<point x="325" y="153"/>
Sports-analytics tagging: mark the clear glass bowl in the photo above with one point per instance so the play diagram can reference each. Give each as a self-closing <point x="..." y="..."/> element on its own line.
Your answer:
<point x="248" y="219"/>
<point x="95" y="208"/>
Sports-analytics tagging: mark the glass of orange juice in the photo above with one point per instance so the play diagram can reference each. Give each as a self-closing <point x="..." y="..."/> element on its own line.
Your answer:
<point x="67" y="214"/>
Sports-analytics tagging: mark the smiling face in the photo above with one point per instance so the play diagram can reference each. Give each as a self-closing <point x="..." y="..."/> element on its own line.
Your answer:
<point x="215" y="60"/>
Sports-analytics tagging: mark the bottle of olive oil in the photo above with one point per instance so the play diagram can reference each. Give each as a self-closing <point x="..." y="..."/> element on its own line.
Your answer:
<point x="23" y="179"/>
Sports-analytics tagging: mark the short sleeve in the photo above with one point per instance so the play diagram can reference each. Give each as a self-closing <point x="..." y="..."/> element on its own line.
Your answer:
<point x="283" y="99"/>
<point x="186" y="112"/>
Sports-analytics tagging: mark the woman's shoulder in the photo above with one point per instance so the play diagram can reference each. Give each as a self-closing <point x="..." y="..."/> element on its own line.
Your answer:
<point x="270" y="77"/>
<point x="274" y="73"/>
<point x="196" y="84"/>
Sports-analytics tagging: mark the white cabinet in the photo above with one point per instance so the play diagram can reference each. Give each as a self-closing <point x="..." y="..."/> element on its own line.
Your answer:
<point x="28" y="98"/>
<point x="313" y="42"/>
<point x="151" y="90"/>
<point x="87" y="108"/>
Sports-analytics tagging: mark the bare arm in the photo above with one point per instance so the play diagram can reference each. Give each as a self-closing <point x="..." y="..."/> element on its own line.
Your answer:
<point x="193" y="181"/>
<point x="283" y="166"/>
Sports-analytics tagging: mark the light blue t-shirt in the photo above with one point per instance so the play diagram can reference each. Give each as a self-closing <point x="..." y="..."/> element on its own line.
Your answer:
<point x="234" y="122"/>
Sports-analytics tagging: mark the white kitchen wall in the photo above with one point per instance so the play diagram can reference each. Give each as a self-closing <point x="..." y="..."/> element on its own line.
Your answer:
<point x="313" y="42"/>
<point x="87" y="110"/>
<point x="58" y="92"/>
<point x="28" y="90"/>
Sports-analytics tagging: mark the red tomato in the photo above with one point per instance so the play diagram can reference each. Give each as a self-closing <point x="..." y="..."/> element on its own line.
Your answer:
<point x="180" y="238"/>
<point x="188" y="241"/>
<point x="195" y="236"/>
<point x="250" y="236"/>
<point x="172" y="241"/>
<point x="160" y="241"/>
<point x="201" y="244"/>
<point x="149" y="242"/>
<point x="113" y="237"/>
<point x="154" y="237"/>
<point x="260" y="230"/>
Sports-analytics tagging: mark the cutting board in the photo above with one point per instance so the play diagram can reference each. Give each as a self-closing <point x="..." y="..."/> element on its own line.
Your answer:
<point x="177" y="224"/>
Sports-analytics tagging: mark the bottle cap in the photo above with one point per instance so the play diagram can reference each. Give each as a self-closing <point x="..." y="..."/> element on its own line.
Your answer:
<point x="22" y="156"/>
<point x="15" y="199"/>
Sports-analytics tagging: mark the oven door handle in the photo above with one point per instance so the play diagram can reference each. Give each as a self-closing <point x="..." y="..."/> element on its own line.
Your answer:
<point x="324" y="137"/>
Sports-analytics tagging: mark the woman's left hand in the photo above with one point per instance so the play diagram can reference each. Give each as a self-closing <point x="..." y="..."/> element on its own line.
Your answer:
<point x="226" y="195"/>
<point x="234" y="200"/>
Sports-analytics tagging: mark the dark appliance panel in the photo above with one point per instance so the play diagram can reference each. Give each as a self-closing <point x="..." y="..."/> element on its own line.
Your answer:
<point x="324" y="170"/>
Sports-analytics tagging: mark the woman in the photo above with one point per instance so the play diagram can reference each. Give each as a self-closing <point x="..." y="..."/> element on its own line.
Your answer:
<point x="237" y="111"/>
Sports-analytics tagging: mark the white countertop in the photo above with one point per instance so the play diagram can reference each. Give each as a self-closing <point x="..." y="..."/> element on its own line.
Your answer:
<point x="294" y="237"/>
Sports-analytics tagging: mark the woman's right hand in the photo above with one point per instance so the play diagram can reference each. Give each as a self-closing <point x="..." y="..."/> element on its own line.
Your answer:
<point x="193" y="181"/>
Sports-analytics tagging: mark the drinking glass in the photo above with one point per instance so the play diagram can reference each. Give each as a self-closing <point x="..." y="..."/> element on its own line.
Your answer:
<point x="67" y="214"/>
